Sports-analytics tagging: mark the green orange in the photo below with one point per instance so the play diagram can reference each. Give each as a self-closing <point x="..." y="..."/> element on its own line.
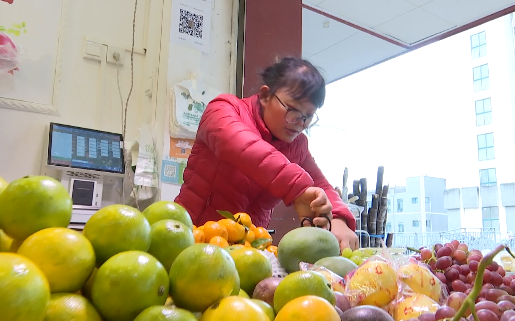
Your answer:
<point x="164" y="313"/>
<point x="201" y="275"/>
<point x="166" y="210"/>
<point x="127" y="284"/>
<point x="69" y="306"/>
<point x="33" y="203"/>
<point x="117" y="228"/>
<point x="24" y="289"/>
<point x="253" y="267"/>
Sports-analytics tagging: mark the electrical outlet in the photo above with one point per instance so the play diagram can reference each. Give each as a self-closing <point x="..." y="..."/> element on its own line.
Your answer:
<point x="113" y="52"/>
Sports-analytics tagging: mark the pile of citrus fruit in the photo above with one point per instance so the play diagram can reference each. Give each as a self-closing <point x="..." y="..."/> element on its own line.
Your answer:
<point x="153" y="265"/>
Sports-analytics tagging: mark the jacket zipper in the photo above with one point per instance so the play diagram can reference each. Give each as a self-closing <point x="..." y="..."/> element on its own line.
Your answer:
<point x="205" y="206"/>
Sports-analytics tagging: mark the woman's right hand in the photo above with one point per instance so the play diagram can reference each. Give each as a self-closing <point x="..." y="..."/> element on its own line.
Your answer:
<point x="313" y="203"/>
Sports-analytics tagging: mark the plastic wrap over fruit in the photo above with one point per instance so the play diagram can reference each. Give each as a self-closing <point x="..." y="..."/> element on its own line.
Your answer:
<point x="337" y="282"/>
<point x="375" y="282"/>
<point x="9" y="54"/>
<point x="411" y="305"/>
<point x="420" y="279"/>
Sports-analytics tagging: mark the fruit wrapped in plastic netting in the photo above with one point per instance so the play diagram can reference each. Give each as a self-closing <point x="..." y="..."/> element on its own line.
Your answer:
<point x="375" y="282"/>
<point x="277" y="270"/>
<point x="411" y="305"/>
<point x="336" y="281"/>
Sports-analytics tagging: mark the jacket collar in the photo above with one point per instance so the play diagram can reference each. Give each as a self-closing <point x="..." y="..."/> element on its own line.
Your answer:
<point x="255" y="106"/>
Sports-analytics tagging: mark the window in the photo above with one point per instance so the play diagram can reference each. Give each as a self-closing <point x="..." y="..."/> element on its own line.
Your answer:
<point x="478" y="44"/>
<point x="491" y="217"/>
<point x="401" y="227"/>
<point x="389" y="205"/>
<point x="485" y="146"/>
<point x="414" y="200"/>
<point x="399" y="205"/>
<point x="427" y="200"/>
<point x="481" y="78"/>
<point x="416" y="223"/>
<point x="487" y="177"/>
<point x="428" y="223"/>
<point x="388" y="227"/>
<point x="483" y="112"/>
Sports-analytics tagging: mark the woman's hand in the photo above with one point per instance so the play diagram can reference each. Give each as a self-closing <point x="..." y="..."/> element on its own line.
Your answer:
<point x="344" y="234"/>
<point x="313" y="203"/>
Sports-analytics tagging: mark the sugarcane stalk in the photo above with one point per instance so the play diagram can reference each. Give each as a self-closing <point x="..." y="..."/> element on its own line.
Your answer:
<point x="372" y="219"/>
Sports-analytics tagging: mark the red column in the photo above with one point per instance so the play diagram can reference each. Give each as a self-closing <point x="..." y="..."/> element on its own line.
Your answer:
<point x="273" y="28"/>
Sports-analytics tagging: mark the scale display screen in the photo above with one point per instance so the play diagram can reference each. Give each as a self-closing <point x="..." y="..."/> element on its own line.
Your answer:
<point x="77" y="147"/>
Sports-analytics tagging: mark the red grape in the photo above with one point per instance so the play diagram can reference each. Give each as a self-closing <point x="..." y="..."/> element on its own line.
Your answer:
<point x="501" y="271"/>
<point x="505" y="305"/>
<point x="489" y="305"/>
<point x="465" y="269"/>
<point x="455" y="243"/>
<point x="471" y="277"/>
<point x="444" y="251"/>
<point x="508" y="289"/>
<point x="512" y="284"/>
<point x="506" y="298"/>
<point x="493" y="267"/>
<point x="487" y="315"/>
<point x="460" y="256"/>
<point x="426" y="254"/>
<point x="473" y="257"/>
<point x="451" y="274"/>
<point x="473" y="264"/>
<point x="458" y="285"/>
<point x="493" y="294"/>
<point x="487" y="277"/>
<point x="487" y="286"/>
<point x="444" y="312"/>
<point x="427" y="317"/>
<point x="463" y="247"/>
<point x="496" y="279"/>
<point x="441" y="277"/>
<point x="507" y="315"/>
<point x="506" y="280"/>
<point x="443" y="262"/>
<point x="455" y="301"/>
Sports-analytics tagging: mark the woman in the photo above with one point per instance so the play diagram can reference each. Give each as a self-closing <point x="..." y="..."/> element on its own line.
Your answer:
<point x="249" y="154"/>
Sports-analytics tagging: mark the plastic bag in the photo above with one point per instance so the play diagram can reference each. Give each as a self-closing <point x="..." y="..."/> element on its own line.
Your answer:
<point x="336" y="281"/>
<point x="375" y="282"/>
<point x="419" y="278"/>
<point x="411" y="305"/>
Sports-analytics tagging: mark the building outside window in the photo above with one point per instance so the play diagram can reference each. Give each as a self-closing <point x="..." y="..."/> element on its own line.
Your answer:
<point x="414" y="200"/>
<point x="485" y="146"/>
<point x="401" y="227"/>
<point x="428" y="223"/>
<point x="388" y="227"/>
<point x="487" y="177"/>
<point x="483" y="112"/>
<point x="399" y="205"/>
<point x="481" y="78"/>
<point x="478" y="45"/>
<point x="416" y="223"/>
<point x="491" y="217"/>
<point x="427" y="200"/>
<point x="389" y="206"/>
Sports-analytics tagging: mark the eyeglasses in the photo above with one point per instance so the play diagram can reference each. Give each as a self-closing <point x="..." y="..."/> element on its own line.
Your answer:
<point x="293" y="116"/>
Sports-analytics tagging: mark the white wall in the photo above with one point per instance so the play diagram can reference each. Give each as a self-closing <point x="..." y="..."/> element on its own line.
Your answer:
<point x="22" y="133"/>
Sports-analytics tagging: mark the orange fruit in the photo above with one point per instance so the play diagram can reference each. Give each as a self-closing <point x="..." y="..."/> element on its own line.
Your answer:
<point x="247" y="244"/>
<point x="250" y="236"/>
<point x="235" y="231"/>
<point x="67" y="306"/>
<point x="128" y="283"/>
<point x="307" y="308"/>
<point x="33" y="203"/>
<point x="117" y="228"/>
<point x="266" y="308"/>
<point x="168" y="239"/>
<point x="199" y="236"/>
<point x="65" y="256"/>
<point x="86" y="288"/>
<point x="24" y="289"/>
<point x="15" y="245"/>
<point x="165" y="313"/>
<point x="166" y="210"/>
<point x="252" y="227"/>
<point x="234" y="308"/>
<point x="194" y="227"/>
<point x="195" y="287"/>
<point x="253" y="267"/>
<point x="212" y="229"/>
<point x="272" y="249"/>
<point x="218" y="240"/>
<point x="262" y="233"/>
<point x="201" y="228"/>
<point x="301" y="283"/>
<point x="244" y="218"/>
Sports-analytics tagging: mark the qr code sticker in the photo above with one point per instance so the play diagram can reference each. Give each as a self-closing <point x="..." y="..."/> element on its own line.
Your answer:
<point x="191" y="24"/>
<point x="170" y="170"/>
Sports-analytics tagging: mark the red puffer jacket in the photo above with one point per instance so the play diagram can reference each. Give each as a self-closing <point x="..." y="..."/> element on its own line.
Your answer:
<point x="235" y="165"/>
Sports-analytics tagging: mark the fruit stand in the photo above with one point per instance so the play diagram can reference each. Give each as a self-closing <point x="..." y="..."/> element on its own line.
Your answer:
<point x="156" y="265"/>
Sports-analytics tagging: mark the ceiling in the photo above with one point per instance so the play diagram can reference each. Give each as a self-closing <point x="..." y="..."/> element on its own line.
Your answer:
<point x="342" y="37"/>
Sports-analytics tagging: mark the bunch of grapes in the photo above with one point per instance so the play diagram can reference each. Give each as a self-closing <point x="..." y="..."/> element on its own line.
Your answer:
<point x="358" y="256"/>
<point x="456" y="267"/>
